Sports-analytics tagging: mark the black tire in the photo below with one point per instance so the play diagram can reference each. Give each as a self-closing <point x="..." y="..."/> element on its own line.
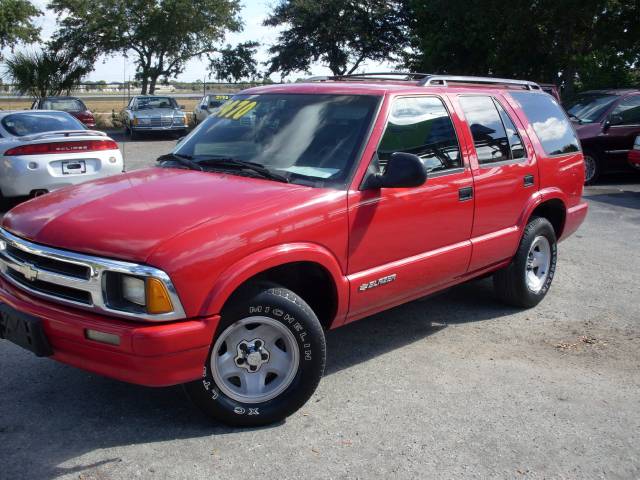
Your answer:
<point x="133" y="135"/>
<point x="511" y="282"/>
<point x="593" y="159"/>
<point x="285" y="307"/>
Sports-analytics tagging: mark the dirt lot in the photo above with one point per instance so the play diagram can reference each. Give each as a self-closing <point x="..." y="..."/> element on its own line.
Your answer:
<point x="453" y="386"/>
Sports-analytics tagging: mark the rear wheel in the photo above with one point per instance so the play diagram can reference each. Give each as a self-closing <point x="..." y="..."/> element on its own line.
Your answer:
<point x="591" y="168"/>
<point x="526" y="281"/>
<point x="265" y="362"/>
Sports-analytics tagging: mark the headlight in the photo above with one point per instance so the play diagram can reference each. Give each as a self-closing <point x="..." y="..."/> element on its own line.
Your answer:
<point x="137" y="294"/>
<point x="143" y="121"/>
<point x="180" y="120"/>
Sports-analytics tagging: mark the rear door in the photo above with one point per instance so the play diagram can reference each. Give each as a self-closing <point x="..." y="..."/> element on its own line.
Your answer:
<point x="623" y="127"/>
<point x="505" y="177"/>
<point x="405" y="241"/>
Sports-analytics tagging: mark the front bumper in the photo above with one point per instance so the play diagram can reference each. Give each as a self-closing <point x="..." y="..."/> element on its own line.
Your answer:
<point x="170" y="128"/>
<point x="149" y="354"/>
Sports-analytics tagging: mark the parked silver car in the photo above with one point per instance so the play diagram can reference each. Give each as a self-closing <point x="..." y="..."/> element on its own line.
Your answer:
<point x="150" y="113"/>
<point x="43" y="150"/>
<point x="208" y="104"/>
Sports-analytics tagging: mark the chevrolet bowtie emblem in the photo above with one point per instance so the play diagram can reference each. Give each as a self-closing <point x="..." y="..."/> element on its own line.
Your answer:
<point x="29" y="272"/>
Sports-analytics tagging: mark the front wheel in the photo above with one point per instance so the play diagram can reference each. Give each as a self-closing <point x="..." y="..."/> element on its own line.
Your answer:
<point x="265" y="362"/>
<point x="526" y="281"/>
<point x="591" y="168"/>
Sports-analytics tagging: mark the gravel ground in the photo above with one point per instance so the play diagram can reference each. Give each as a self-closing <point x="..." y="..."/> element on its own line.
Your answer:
<point x="452" y="386"/>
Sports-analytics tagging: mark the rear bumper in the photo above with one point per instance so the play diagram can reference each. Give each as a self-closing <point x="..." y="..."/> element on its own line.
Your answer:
<point x="20" y="175"/>
<point x="575" y="217"/>
<point x="149" y="354"/>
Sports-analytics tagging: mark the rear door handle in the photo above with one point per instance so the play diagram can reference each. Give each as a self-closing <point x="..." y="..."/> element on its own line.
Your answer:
<point x="529" y="180"/>
<point x="465" y="194"/>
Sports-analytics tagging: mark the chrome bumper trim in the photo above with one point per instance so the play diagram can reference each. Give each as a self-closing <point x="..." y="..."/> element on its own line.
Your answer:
<point x="93" y="285"/>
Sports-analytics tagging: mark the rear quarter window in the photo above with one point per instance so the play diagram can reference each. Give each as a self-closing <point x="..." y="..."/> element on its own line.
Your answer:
<point x="549" y="122"/>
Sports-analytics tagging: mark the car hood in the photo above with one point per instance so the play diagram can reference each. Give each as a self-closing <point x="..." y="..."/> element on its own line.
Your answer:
<point x="127" y="216"/>
<point x="155" y="112"/>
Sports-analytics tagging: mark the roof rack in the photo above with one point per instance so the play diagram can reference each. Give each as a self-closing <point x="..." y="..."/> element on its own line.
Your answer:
<point x="444" y="80"/>
<point x="407" y="76"/>
<point x="427" y="79"/>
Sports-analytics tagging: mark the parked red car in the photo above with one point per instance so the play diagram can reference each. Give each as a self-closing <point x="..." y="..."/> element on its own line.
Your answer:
<point x="607" y="122"/>
<point x="72" y="105"/>
<point x="292" y="210"/>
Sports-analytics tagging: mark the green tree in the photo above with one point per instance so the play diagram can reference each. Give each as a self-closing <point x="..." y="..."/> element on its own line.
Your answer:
<point x="339" y="33"/>
<point x="581" y="43"/>
<point x="16" y="25"/>
<point x="162" y="34"/>
<point x="236" y="63"/>
<point x="45" y="73"/>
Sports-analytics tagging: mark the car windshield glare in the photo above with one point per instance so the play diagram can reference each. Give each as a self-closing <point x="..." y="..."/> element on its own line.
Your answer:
<point x="156" y="102"/>
<point x="588" y="108"/>
<point x="21" y="124"/>
<point x="313" y="139"/>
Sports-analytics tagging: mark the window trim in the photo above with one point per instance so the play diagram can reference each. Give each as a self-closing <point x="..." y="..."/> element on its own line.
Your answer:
<point x="439" y="173"/>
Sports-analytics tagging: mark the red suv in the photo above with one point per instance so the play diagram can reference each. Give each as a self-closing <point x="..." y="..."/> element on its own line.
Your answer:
<point x="292" y="210"/>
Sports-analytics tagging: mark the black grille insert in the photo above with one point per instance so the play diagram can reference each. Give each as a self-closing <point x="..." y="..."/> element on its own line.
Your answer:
<point x="52" y="289"/>
<point x="50" y="264"/>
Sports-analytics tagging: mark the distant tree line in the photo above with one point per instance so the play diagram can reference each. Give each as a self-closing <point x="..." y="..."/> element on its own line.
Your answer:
<point x="578" y="44"/>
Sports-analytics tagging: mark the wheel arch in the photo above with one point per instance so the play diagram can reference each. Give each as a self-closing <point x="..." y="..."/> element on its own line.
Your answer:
<point x="549" y="204"/>
<point x="307" y="269"/>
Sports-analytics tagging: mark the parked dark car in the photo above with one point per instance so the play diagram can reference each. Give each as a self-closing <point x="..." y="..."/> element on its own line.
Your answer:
<point x="607" y="122"/>
<point x="72" y="105"/>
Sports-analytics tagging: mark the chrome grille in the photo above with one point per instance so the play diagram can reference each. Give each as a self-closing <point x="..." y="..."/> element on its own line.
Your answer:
<point x="160" y="121"/>
<point x="73" y="278"/>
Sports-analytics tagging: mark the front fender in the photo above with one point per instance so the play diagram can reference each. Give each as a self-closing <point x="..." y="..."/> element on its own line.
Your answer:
<point x="262" y="260"/>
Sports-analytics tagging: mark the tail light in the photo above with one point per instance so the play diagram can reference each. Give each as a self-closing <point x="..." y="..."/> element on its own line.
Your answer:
<point x="63" y="147"/>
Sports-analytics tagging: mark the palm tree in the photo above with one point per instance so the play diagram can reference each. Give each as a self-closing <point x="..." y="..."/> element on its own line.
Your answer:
<point x="45" y="73"/>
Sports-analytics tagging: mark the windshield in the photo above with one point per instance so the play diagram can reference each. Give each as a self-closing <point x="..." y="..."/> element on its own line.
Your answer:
<point x="21" y="124"/>
<point x="588" y="108"/>
<point x="312" y="139"/>
<point x="155" y="102"/>
<point x="64" y="104"/>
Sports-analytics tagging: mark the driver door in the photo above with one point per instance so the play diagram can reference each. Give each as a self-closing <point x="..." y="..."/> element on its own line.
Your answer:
<point x="404" y="242"/>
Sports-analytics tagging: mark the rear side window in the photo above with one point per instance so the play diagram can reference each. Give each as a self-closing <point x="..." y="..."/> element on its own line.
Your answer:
<point x="627" y="112"/>
<point x="422" y="126"/>
<point x="549" y="122"/>
<point x="64" y="104"/>
<point x="23" y="123"/>
<point x="489" y="134"/>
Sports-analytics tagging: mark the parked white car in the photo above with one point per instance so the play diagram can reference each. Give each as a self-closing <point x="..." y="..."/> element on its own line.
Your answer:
<point x="208" y="104"/>
<point x="43" y="150"/>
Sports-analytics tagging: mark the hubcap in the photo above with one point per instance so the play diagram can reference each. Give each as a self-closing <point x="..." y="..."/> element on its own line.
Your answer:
<point x="589" y="167"/>
<point x="254" y="360"/>
<point x="538" y="263"/>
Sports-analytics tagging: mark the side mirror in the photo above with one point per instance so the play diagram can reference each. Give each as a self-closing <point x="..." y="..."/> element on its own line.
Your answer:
<point x="404" y="170"/>
<point x="182" y="107"/>
<point x="614" y="119"/>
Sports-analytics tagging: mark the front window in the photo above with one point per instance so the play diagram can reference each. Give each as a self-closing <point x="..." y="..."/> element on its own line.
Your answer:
<point x="21" y="124"/>
<point x="145" y="103"/>
<point x="64" y="104"/>
<point x="589" y="107"/>
<point x="309" y="139"/>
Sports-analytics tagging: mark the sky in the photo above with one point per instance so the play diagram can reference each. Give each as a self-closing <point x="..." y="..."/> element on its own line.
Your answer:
<point x="116" y="68"/>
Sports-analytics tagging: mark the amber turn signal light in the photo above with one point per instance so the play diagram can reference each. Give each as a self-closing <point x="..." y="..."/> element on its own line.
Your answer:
<point x="158" y="300"/>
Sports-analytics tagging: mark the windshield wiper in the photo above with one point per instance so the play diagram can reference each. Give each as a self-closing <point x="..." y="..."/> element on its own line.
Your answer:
<point x="230" y="162"/>
<point x="185" y="160"/>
